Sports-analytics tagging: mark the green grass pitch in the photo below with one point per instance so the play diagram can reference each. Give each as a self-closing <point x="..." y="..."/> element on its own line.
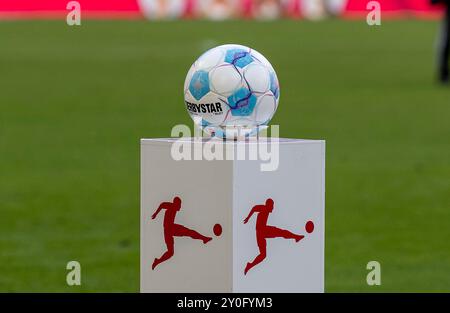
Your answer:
<point x="75" y="101"/>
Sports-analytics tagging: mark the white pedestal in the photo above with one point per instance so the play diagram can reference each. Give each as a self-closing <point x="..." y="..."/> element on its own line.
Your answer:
<point x="223" y="192"/>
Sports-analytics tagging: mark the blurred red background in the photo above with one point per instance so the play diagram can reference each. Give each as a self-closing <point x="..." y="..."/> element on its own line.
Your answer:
<point x="11" y="9"/>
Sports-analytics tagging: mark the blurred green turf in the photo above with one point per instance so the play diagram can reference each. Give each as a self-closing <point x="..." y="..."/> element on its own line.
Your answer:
<point x="75" y="100"/>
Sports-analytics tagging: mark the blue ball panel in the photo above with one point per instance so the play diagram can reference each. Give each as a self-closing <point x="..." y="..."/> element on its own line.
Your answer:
<point x="242" y="102"/>
<point x="238" y="57"/>
<point x="199" y="85"/>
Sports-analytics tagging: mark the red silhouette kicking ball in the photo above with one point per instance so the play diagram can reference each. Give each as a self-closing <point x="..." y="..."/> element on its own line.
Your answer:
<point x="309" y="227"/>
<point x="217" y="230"/>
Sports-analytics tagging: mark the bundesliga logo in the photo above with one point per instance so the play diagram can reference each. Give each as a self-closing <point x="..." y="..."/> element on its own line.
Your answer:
<point x="263" y="230"/>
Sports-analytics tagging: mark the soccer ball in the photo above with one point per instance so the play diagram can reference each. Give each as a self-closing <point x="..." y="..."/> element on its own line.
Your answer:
<point x="231" y="91"/>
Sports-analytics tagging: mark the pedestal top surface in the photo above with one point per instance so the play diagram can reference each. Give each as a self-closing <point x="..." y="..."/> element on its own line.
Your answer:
<point x="145" y="141"/>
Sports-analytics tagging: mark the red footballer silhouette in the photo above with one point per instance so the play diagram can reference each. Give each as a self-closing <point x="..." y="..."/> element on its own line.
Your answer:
<point x="264" y="231"/>
<point x="171" y="229"/>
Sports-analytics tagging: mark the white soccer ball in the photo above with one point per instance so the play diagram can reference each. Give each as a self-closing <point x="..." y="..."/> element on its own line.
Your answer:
<point x="231" y="91"/>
